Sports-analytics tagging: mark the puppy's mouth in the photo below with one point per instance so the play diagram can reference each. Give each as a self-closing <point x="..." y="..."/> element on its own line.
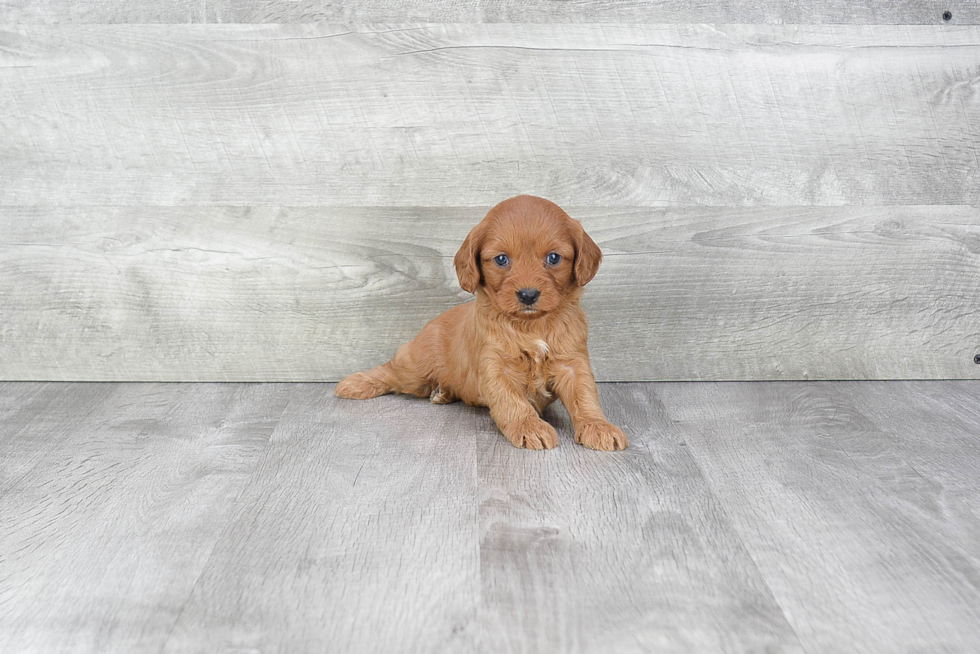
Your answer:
<point x="529" y="311"/>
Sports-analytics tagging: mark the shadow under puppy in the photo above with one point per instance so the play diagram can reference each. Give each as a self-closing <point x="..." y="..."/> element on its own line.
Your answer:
<point x="522" y="342"/>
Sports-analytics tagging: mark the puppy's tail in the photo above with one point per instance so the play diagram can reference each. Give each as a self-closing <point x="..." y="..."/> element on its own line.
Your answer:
<point x="365" y="385"/>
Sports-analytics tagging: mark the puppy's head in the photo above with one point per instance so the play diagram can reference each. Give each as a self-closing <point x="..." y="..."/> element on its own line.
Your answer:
<point x="528" y="256"/>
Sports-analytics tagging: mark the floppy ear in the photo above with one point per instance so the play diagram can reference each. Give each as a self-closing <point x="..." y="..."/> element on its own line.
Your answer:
<point x="467" y="259"/>
<point x="588" y="256"/>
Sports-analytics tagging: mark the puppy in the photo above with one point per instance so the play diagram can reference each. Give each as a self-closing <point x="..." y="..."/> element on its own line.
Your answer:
<point x="522" y="342"/>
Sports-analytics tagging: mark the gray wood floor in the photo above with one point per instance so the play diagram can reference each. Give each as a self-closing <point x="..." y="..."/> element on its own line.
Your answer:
<point x="771" y="516"/>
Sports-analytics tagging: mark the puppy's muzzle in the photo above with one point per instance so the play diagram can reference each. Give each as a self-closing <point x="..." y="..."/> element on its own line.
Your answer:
<point x="528" y="296"/>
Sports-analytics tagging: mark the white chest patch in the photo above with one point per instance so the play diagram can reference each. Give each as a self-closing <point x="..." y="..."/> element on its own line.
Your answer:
<point x="537" y="382"/>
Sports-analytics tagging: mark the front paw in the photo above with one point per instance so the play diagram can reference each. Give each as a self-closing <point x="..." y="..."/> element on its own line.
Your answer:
<point x="534" y="434"/>
<point x="601" y="435"/>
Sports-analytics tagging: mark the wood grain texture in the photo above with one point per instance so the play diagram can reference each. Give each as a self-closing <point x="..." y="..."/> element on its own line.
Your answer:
<point x="264" y="517"/>
<point x="103" y="538"/>
<point x="358" y="533"/>
<point x="615" y="553"/>
<point x="294" y="294"/>
<point x="402" y="115"/>
<point x="865" y="545"/>
<point x="934" y="429"/>
<point x="500" y="11"/>
<point x="933" y="426"/>
<point x="36" y="419"/>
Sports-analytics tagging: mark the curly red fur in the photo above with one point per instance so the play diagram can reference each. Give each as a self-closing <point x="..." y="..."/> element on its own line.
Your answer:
<point x="500" y="352"/>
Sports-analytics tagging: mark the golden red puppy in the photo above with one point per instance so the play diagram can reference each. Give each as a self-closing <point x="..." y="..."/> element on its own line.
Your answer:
<point x="522" y="343"/>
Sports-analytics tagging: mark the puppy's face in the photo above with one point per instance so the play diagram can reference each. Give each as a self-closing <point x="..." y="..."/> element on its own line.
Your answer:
<point x="527" y="255"/>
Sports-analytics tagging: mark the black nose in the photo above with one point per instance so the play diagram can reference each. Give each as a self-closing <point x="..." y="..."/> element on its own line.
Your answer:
<point x="528" y="296"/>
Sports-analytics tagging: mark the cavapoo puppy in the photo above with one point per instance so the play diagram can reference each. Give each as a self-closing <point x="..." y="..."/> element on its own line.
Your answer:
<point x="522" y="343"/>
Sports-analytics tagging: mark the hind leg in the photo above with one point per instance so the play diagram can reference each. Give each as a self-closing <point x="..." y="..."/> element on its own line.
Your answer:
<point x="365" y="385"/>
<point x="442" y="395"/>
<point x="400" y="375"/>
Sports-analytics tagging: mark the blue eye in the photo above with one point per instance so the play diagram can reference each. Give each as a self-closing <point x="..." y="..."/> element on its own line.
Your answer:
<point x="553" y="259"/>
<point x="501" y="260"/>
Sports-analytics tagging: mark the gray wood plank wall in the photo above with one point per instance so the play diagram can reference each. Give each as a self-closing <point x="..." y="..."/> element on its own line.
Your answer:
<point x="451" y="115"/>
<point x="281" y="201"/>
<point x="312" y="293"/>
<point x="860" y="12"/>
